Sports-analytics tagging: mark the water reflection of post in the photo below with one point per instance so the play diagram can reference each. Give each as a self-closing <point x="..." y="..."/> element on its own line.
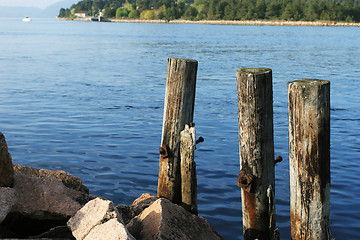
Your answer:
<point x="309" y="158"/>
<point x="256" y="140"/>
<point x="178" y="111"/>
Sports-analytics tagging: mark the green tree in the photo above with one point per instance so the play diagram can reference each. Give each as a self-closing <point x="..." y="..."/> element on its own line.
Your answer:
<point x="161" y="15"/>
<point x="310" y="12"/>
<point x="349" y="19"/>
<point x="97" y="5"/>
<point x="250" y="10"/>
<point x="202" y="8"/>
<point x="121" y="12"/>
<point x="230" y="11"/>
<point x="62" y="13"/>
<point x="190" y="13"/>
<point x="133" y="14"/>
<point x="242" y="10"/>
<point x="147" y="14"/>
<point x="260" y="9"/>
<point x="211" y="9"/>
<point x="274" y="9"/>
<point x="128" y="6"/>
<point x="324" y="15"/>
<point x="67" y="13"/>
<point x="288" y="12"/>
<point x="143" y="4"/>
<point x="220" y="9"/>
<point x="109" y="12"/>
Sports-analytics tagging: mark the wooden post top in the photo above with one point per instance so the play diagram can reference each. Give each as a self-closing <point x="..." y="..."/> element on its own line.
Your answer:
<point x="308" y="88"/>
<point x="183" y="59"/>
<point x="254" y="70"/>
<point x="309" y="82"/>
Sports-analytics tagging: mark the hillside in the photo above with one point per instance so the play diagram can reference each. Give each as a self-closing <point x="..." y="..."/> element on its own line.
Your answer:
<point x="49" y="12"/>
<point x="53" y="10"/>
<point x="293" y="10"/>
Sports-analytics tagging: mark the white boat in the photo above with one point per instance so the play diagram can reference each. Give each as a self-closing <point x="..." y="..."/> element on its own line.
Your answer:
<point x="26" y="19"/>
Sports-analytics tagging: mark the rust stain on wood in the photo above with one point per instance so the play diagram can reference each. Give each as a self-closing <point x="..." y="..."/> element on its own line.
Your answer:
<point x="246" y="181"/>
<point x="256" y="145"/>
<point x="178" y="111"/>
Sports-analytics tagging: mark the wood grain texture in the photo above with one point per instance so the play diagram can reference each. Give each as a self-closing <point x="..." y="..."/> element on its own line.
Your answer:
<point x="255" y="105"/>
<point x="309" y="158"/>
<point x="188" y="170"/>
<point x="178" y="111"/>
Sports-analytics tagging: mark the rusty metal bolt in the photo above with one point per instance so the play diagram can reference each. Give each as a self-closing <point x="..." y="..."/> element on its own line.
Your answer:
<point x="200" y="140"/>
<point x="163" y="152"/>
<point x="245" y="181"/>
<point x="278" y="159"/>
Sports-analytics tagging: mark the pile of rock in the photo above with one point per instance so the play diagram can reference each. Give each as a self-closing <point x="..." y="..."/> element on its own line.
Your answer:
<point x="98" y="219"/>
<point x="33" y="201"/>
<point x="47" y="204"/>
<point x="147" y="218"/>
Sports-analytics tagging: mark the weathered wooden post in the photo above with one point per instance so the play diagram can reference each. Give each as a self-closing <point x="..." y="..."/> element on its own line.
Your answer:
<point x="257" y="174"/>
<point x="178" y="111"/>
<point x="309" y="158"/>
<point x="188" y="170"/>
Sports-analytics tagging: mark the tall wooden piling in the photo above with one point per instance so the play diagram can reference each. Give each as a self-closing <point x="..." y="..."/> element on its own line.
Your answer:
<point x="257" y="174"/>
<point x="188" y="170"/>
<point x="309" y="158"/>
<point x="178" y="111"/>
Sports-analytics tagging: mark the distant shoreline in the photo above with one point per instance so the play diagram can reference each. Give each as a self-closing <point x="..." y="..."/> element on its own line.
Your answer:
<point x="229" y="22"/>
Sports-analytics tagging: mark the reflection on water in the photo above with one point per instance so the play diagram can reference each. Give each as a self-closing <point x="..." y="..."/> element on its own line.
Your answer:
<point x="87" y="98"/>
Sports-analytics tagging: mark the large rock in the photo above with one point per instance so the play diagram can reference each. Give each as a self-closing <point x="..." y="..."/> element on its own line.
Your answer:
<point x="68" y="180"/>
<point x="129" y="212"/>
<point x="6" y="167"/>
<point x="93" y="220"/>
<point x="165" y="220"/>
<point x="40" y="203"/>
<point x="7" y="200"/>
<point x="46" y="198"/>
<point x="110" y="230"/>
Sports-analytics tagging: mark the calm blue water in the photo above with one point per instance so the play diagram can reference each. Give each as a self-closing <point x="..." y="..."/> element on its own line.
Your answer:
<point x="87" y="98"/>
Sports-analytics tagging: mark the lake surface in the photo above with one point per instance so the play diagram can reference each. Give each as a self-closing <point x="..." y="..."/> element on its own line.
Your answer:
<point x="87" y="98"/>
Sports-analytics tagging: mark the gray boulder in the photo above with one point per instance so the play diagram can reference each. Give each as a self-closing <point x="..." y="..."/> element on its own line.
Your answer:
<point x="110" y="230"/>
<point x="6" y="167"/>
<point x="165" y="220"/>
<point x="36" y="204"/>
<point x="7" y="201"/>
<point x="129" y="212"/>
<point x="68" y="180"/>
<point x="98" y="219"/>
<point x="45" y="198"/>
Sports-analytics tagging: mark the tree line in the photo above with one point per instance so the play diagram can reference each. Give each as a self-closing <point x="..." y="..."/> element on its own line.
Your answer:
<point x="293" y="10"/>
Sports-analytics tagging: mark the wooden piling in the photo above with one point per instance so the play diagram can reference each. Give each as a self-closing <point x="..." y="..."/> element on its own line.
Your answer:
<point x="309" y="158"/>
<point x="188" y="170"/>
<point x="178" y="111"/>
<point x="257" y="174"/>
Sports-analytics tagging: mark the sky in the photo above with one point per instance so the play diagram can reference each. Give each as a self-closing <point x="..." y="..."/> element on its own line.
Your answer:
<point x="28" y="3"/>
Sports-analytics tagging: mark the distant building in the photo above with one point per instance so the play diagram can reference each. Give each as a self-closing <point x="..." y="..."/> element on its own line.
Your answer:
<point x="81" y="14"/>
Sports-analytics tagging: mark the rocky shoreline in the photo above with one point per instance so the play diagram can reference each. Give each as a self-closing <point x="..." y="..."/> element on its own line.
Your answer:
<point x="230" y="22"/>
<point x="44" y="204"/>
